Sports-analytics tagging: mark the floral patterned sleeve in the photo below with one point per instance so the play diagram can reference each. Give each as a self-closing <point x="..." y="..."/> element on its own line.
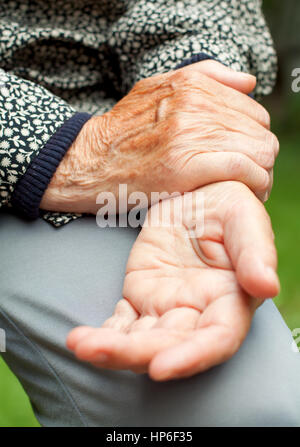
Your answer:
<point x="36" y="129"/>
<point x="156" y="36"/>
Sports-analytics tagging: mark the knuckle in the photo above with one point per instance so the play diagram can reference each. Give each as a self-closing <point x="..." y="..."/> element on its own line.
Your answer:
<point x="270" y="150"/>
<point x="179" y="77"/>
<point x="243" y="168"/>
<point x="261" y="114"/>
<point x="186" y="76"/>
<point x="275" y="144"/>
<point x="264" y="181"/>
<point x="266" y="156"/>
<point x="238" y="164"/>
<point x="264" y="117"/>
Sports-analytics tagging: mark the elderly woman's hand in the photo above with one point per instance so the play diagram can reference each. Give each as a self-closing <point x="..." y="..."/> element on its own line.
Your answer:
<point x="173" y="132"/>
<point x="188" y="302"/>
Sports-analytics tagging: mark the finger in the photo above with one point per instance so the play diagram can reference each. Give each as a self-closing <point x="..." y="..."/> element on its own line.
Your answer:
<point x="239" y="125"/>
<point x="195" y="288"/>
<point x="223" y="94"/>
<point x="115" y="350"/>
<point x="224" y="166"/>
<point x="183" y="318"/>
<point x="124" y="316"/>
<point x="261" y="151"/>
<point x="209" y="346"/>
<point x="249" y="241"/>
<point x="244" y="82"/>
<point x="231" y="131"/>
<point x="144" y="323"/>
<point x="239" y="132"/>
<point x="76" y="335"/>
<point x="222" y="328"/>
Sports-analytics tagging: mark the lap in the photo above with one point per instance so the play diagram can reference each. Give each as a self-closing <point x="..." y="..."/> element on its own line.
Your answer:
<point x="53" y="280"/>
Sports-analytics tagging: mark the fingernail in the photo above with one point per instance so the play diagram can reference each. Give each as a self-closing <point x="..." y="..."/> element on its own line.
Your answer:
<point x="266" y="196"/>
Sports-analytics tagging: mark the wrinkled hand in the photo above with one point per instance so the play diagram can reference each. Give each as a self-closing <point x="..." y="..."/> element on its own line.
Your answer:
<point x="175" y="131"/>
<point x="188" y="303"/>
<point x="181" y="130"/>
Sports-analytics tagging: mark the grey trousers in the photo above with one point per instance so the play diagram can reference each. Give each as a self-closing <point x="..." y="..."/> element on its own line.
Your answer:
<point x="53" y="280"/>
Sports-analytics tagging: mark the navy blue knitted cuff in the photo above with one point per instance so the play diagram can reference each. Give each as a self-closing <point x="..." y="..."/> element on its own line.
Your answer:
<point x="30" y="188"/>
<point x="193" y="59"/>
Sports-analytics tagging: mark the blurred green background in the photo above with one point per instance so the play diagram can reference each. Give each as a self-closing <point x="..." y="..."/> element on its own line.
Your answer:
<point x="284" y="106"/>
<point x="283" y="206"/>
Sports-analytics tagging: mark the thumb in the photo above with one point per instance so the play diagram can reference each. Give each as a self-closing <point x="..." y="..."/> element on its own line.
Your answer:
<point x="243" y="82"/>
<point x="249" y="241"/>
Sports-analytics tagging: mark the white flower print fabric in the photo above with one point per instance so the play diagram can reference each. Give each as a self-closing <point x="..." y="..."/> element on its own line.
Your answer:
<point x="68" y="56"/>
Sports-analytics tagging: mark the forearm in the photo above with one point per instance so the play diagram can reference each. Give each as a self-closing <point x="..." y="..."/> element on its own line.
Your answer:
<point x="79" y="177"/>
